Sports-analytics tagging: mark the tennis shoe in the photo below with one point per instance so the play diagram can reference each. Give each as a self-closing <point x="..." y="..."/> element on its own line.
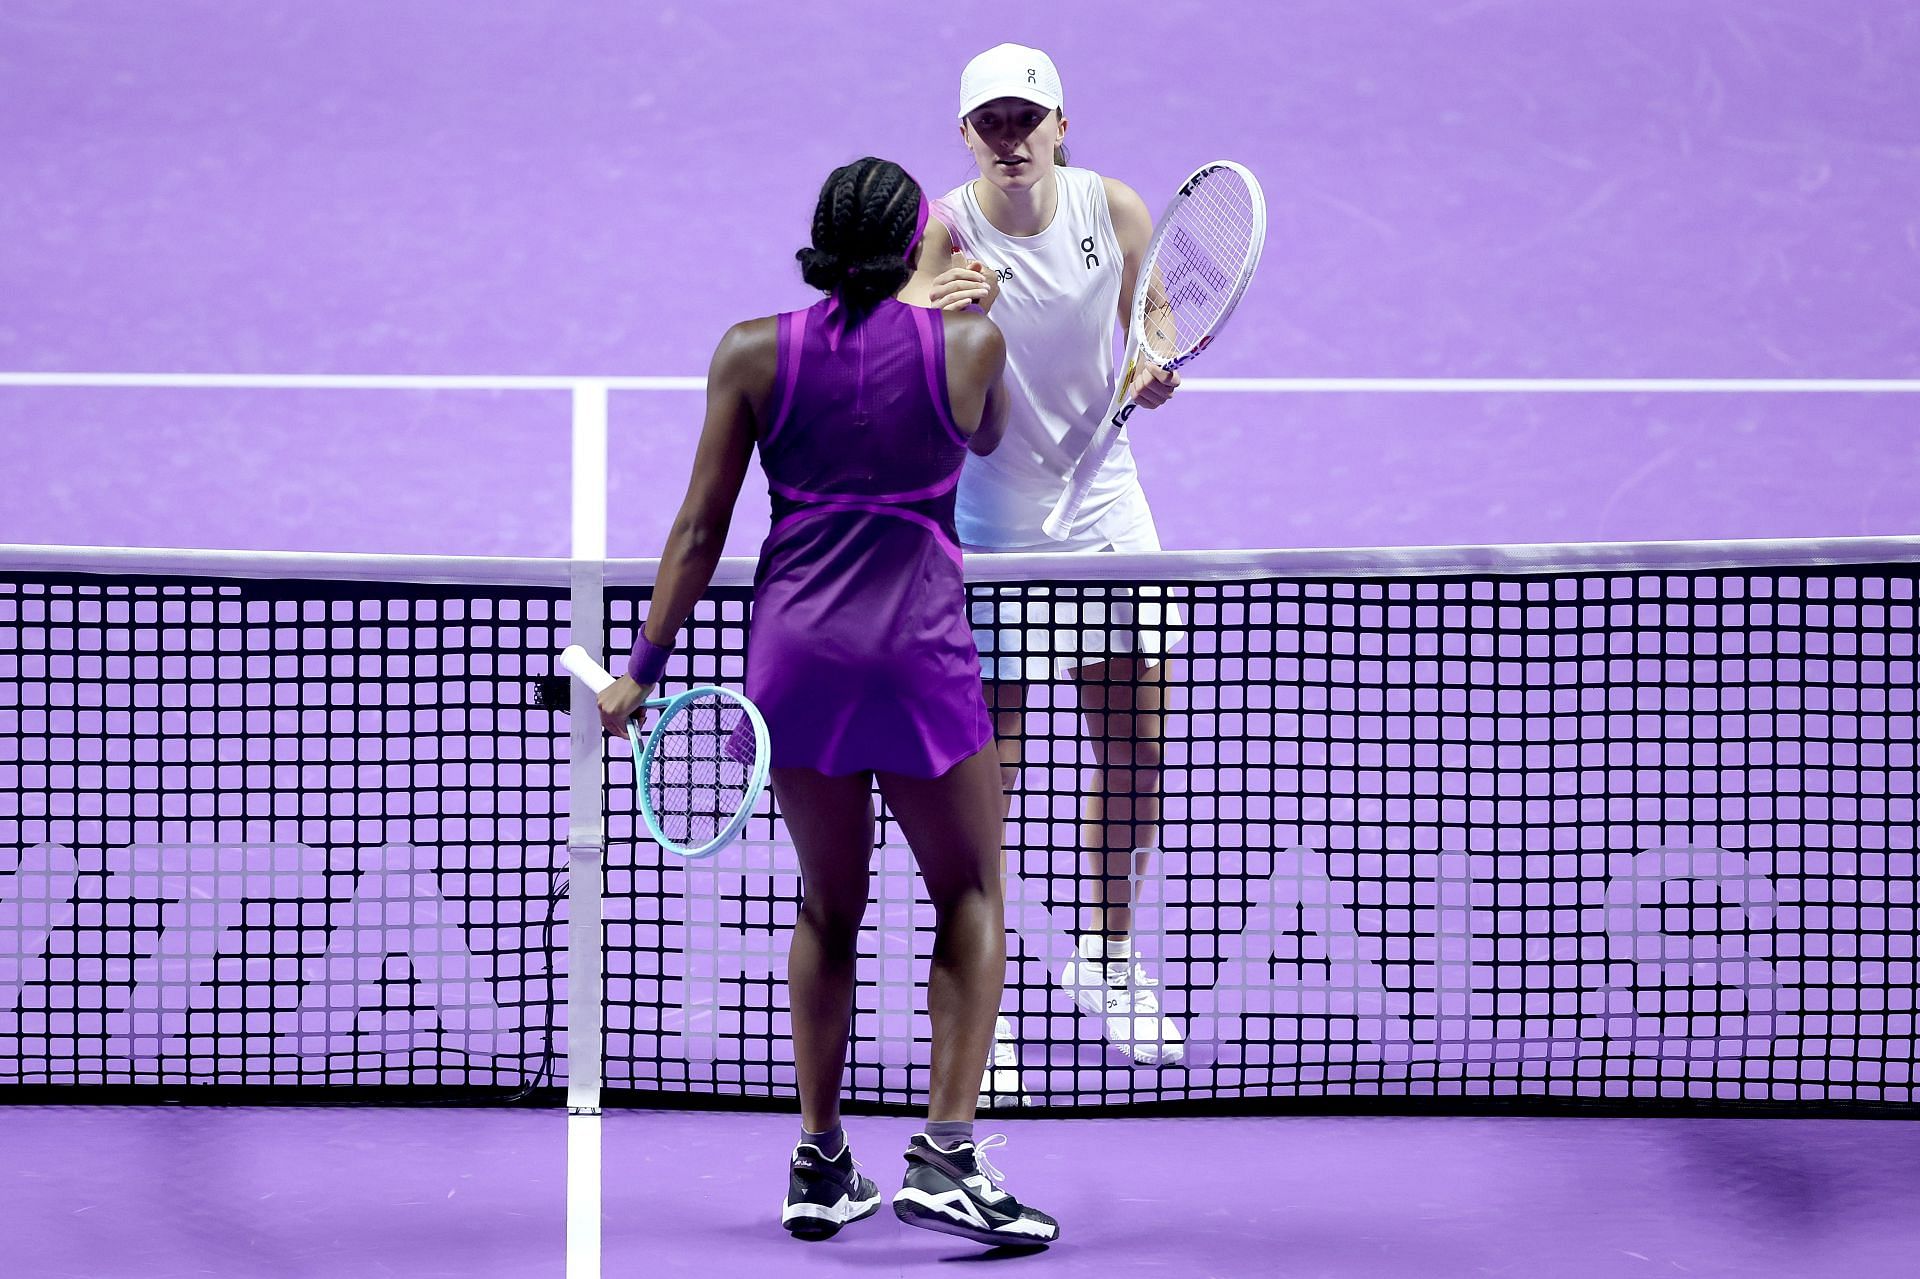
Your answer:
<point x="1123" y="997"/>
<point x="1002" y="1085"/>
<point x="957" y="1192"/>
<point x="825" y="1194"/>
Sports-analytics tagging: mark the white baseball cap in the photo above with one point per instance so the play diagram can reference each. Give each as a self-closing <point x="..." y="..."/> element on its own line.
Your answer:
<point x="1009" y="71"/>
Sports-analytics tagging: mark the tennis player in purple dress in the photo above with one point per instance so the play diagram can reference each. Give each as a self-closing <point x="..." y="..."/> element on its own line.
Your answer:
<point x="862" y="660"/>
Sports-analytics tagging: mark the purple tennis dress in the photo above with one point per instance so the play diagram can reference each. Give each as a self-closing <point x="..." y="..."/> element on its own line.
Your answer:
<point x="860" y="655"/>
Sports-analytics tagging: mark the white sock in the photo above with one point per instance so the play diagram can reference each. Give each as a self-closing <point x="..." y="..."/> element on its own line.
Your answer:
<point x="1093" y="948"/>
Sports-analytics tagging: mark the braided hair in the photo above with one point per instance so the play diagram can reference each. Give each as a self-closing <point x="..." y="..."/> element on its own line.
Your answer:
<point x="862" y="228"/>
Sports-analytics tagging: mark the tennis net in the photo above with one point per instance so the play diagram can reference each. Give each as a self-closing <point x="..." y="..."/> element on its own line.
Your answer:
<point x="274" y="823"/>
<point x="1468" y="825"/>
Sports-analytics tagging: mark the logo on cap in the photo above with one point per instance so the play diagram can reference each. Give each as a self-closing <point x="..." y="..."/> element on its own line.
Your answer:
<point x="1030" y="74"/>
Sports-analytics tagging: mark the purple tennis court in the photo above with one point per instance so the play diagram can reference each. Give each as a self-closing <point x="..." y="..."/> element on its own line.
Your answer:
<point x="1537" y="888"/>
<point x="264" y="1191"/>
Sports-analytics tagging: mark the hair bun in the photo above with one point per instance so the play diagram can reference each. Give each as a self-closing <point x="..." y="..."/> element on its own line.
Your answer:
<point x="824" y="271"/>
<point x="861" y="283"/>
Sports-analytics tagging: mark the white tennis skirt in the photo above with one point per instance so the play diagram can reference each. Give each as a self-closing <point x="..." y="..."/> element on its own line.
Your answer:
<point x="1033" y="631"/>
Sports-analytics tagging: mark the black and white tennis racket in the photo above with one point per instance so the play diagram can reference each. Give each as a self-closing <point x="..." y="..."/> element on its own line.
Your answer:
<point x="1198" y="263"/>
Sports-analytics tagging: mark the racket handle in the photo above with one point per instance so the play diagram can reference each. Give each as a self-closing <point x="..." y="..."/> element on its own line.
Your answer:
<point x="1059" y="525"/>
<point x="584" y="668"/>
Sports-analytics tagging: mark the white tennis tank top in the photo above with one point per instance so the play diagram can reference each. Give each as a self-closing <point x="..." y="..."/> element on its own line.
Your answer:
<point x="1058" y="307"/>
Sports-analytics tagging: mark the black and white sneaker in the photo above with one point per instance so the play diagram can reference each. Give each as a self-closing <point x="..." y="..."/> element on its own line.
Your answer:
<point x="825" y="1194"/>
<point x="957" y="1192"/>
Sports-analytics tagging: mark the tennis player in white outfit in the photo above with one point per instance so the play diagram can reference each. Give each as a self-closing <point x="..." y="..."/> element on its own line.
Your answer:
<point x="1052" y="253"/>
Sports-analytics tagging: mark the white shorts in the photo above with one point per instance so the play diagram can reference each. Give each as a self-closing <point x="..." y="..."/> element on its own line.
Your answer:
<point x="1031" y="631"/>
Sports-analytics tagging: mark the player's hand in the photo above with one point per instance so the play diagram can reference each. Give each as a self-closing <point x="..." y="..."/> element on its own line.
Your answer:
<point x="966" y="282"/>
<point x="1152" y="385"/>
<point x="619" y="702"/>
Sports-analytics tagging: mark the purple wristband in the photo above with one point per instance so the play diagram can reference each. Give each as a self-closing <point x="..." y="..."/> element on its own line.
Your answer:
<point x="648" y="662"/>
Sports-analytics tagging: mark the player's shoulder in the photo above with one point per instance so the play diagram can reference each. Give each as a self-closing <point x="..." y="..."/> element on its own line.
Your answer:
<point x="939" y="236"/>
<point x="971" y="324"/>
<point x="748" y="351"/>
<point x="1132" y="222"/>
<point x="952" y="208"/>
<point x="949" y="218"/>
<point x="972" y="334"/>
<point x="749" y="336"/>
<point x="1122" y="198"/>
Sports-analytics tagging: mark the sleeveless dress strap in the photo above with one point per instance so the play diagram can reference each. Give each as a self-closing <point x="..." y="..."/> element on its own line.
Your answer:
<point x="933" y="362"/>
<point x="790" y="335"/>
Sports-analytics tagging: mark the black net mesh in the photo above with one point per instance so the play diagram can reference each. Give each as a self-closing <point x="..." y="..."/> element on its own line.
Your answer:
<point x="1601" y="835"/>
<point x="1593" y="834"/>
<point x="277" y="834"/>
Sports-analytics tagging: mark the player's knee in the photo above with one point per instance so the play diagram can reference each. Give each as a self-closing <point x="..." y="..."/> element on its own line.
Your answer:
<point x="835" y="926"/>
<point x="973" y="900"/>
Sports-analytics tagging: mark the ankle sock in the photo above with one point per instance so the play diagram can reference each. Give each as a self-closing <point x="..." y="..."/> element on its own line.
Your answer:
<point x="1102" y="946"/>
<point x="948" y="1133"/>
<point x="829" y="1143"/>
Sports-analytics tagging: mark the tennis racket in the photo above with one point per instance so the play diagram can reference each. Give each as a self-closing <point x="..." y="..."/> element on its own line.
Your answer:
<point x="1198" y="263"/>
<point x="702" y="768"/>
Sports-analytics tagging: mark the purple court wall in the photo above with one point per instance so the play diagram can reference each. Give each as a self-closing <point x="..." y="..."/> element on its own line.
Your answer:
<point x="1576" y="189"/>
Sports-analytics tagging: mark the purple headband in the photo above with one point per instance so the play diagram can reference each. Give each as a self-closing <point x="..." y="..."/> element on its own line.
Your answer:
<point x="919" y="229"/>
<point x="836" y="314"/>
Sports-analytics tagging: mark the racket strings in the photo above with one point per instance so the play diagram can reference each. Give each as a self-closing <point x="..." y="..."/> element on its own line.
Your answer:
<point x="1206" y="250"/>
<point x="701" y="770"/>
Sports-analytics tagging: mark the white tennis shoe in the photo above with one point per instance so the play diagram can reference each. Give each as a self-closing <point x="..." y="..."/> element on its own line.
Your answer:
<point x="1121" y="994"/>
<point x="1002" y="1085"/>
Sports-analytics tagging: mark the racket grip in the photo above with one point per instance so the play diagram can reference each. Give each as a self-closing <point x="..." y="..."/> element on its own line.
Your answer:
<point x="1059" y="525"/>
<point x="584" y="668"/>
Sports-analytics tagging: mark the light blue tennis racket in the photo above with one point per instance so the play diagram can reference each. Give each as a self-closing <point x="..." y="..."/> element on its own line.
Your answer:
<point x="702" y="768"/>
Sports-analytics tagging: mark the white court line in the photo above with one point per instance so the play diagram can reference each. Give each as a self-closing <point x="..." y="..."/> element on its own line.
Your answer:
<point x="353" y="381"/>
<point x="589" y="452"/>
<point x="1553" y="385"/>
<point x="583" y="1197"/>
<point x="1230" y="385"/>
